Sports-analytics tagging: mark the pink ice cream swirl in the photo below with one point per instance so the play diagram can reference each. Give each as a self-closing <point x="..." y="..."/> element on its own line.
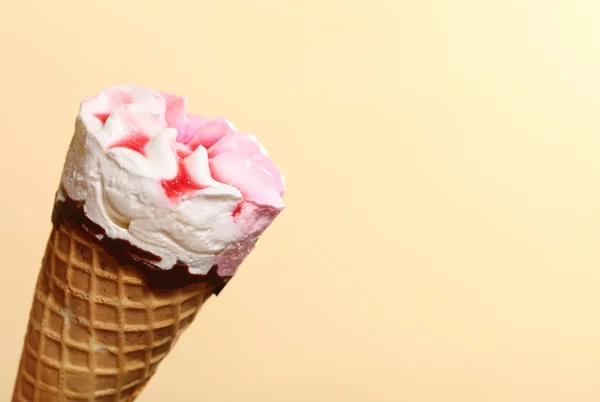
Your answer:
<point x="203" y="157"/>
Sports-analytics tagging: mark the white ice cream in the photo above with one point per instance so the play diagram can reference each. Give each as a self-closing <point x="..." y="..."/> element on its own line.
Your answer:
<point x="126" y="191"/>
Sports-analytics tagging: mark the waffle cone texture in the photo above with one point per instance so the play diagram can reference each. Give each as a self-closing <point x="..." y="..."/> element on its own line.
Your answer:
<point x="96" y="331"/>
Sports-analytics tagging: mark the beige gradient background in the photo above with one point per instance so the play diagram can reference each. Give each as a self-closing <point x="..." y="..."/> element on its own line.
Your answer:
<point x="441" y="236"/>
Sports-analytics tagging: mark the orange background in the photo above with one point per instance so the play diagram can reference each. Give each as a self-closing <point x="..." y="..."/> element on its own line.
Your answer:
<point x="441" y="236"/>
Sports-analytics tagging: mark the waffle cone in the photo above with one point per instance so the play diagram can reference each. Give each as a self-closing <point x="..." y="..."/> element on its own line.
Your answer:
<point x="96" y="331"/>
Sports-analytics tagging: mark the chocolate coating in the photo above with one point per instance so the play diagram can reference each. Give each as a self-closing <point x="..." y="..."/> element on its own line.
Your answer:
<point x="71" y="212"/>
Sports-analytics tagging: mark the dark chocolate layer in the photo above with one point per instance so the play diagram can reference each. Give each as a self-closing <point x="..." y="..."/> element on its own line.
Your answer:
<point x="71" y="212"/>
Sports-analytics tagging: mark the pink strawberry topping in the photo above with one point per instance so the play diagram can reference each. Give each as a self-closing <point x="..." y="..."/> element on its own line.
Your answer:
<point x="233" y="158"/>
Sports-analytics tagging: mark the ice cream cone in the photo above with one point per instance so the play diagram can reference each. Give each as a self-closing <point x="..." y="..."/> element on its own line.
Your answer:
<point x="155" y="211"/>
<point x="97" y="331"/>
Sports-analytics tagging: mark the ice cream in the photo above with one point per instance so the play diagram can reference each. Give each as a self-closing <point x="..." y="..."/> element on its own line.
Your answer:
<point x="155" y="211"/>
<point x="187" y="190"/>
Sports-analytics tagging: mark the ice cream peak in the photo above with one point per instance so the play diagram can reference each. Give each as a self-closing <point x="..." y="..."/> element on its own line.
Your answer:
<point x="183" y="187"/>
